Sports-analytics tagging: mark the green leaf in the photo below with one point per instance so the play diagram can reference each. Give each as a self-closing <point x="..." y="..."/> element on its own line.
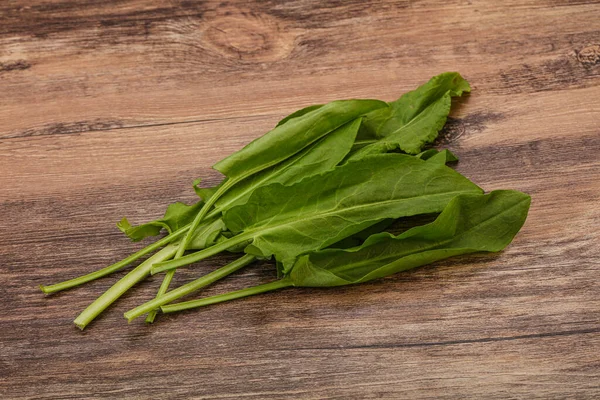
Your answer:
<point x="317" y="158"/>
<point x="237" y="248"/>
<point x="299" y="113"/>
<point x="286" y="221"/>
<point x="207" y="234"/>
<point x="444" y="157"/>
<point x="470" y="223"/>
<point x="413" y="120"/>
<point x="424" y="155"/>
<point x="278" y="145"/>
<point x="358" y="238"/>
<point x="290" y="138"/>
<point x="177" y="215"/>
<point x="203" y="193"/>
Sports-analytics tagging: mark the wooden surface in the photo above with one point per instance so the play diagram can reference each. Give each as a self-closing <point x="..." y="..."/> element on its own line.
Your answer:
<point x="112" y="108"/>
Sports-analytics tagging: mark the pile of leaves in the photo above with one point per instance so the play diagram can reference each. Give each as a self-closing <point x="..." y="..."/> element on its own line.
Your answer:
<point x="316" y="194"/>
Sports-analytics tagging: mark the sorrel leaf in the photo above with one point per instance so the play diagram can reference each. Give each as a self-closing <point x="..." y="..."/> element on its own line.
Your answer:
<point x="470" y="223"/>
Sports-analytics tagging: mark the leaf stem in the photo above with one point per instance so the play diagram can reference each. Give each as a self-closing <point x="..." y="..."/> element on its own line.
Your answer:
<point x="188" y="288"/>
<point x="267" y="287"/>
<point x="200" y="216"/>
<point x="114" y="267"/>
<point x="200" y="255"/>
<point x="164" y="286"/>
<point x="124" y="284"/>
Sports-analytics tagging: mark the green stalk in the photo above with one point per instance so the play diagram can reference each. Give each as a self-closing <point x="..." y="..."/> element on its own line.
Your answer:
<point x="267" y="287"/>
<point x="164" y="286"/>
<point x="200" y="216"/>
<point x="114" y="267"/>
<point x="124" y="284"/>
<point x="200" y="255"/>
<point x="188" y="288"/>
<point x="203" y="214"/>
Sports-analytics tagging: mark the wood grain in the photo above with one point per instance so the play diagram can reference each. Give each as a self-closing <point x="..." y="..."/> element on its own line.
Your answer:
<point x="112" y="108"/>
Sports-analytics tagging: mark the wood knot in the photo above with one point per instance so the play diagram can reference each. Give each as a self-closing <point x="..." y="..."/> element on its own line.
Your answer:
<point x="452" y="131"/>
<point x="589" y="55"/>
<point x="248" y="37"/>
<point x="19" y="65"/>
<point x="456" y="128"/>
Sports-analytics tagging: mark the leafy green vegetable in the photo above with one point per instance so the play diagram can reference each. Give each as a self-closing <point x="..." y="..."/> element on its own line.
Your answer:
<point x="320" y="211"/>
<point x="299" y="113"/>
<point x="177" y="216"/>
<point x="316" y="194"/>
<point x="286" y="221"/>
<point x="411" y="121"/>
<point x="469" y="223"/>
<point x="326" y="153"/>
<point x="317" y="158"/>
<point x="293" y="136"/>
<point x="279" y="144"/>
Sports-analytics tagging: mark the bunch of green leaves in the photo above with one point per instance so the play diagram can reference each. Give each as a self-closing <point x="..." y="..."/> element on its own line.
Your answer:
<point x="316" y="194"/>
<point x="469" y="223"/>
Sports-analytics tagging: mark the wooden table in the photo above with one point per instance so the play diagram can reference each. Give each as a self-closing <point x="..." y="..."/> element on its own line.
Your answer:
<point x="112" y="108"/>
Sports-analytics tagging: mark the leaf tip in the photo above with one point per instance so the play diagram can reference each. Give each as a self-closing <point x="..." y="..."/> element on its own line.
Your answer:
<point x="124" y="225"/>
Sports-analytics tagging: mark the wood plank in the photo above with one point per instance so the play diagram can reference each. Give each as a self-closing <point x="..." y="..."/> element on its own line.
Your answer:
<point x="215" y="60"/>
<point x="146" y="153"/>
<point x="422" y="372"/>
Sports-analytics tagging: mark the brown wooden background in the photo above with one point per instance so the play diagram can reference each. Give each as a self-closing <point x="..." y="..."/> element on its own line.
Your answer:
<point x="112" y="108"/>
